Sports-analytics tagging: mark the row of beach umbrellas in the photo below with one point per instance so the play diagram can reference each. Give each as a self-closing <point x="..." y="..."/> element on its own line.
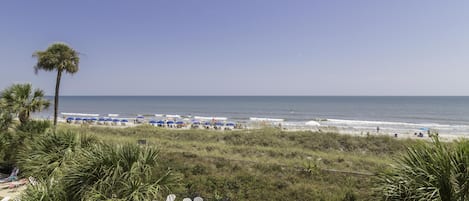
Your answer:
<point x="160" y="122"/>
<point x="102" y="119"/>
<point x="170" y="122"/>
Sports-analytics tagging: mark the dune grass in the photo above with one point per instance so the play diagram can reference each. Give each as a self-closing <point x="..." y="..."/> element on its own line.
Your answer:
<point x="265" y="164"/>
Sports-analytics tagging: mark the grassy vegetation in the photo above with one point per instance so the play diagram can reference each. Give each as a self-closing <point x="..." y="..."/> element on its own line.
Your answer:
<point x="265" y="164"/>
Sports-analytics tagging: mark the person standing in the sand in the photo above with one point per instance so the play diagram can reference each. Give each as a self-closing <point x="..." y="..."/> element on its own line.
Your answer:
<point x="377" y="129"/>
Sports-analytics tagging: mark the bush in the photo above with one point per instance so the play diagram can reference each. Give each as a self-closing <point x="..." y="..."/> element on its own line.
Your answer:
<point x="44" y="191"/>
<point x="80" y="167"/>
<point x="127" y="172"/>
<point x="6" y="119"/>
<point x="46" y="155"/>
<point x="433" y="171"/>
<point x="349" y="196"/>
<point x="33" y="127"/>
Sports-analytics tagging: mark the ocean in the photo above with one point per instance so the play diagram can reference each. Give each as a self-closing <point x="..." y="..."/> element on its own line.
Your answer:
<point x="446" y="114"/>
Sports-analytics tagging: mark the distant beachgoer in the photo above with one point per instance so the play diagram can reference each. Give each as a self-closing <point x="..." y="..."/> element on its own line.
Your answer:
<point x="377" y="129"/>
<point x="395" y="134"/>
<point x="415" y="133"/>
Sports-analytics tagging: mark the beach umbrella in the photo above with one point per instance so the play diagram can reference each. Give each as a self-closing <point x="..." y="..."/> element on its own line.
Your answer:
<point x="312" y="123"/>
<point x="207" y="123"/>
<point x="140" y="117"/>
<point x="94" y="119"/>
<point x="179" y="122"/>
<point x="101" y="119"/>
<point x="78" y="119"/>
<point x="108" y="119"/>
<point x="160" y="122"/>
<point x="152" y="122"/>
<point x="85" y="119"/>
<point x="230" y="124"/>
<point x="219" y="124"/>
<point x="70" y="119"/>
<point x="124" y="120"/>
<point x="196" y="122"/>
<point x="115" y="120"/>
<point x="170" y="122"/>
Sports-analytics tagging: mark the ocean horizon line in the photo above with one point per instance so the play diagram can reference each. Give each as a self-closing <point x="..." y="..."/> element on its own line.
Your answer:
<point x="259" y="95"/>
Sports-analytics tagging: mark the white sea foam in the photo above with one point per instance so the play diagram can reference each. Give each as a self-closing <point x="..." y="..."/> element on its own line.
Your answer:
<point x="386" y="126"/>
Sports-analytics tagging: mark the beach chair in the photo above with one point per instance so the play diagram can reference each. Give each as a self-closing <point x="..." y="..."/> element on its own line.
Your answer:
<point x="32" y="181"/>
<point x="171" y="197"/>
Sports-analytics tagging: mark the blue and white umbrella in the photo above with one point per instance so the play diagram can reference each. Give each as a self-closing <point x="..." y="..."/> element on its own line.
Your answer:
<point x="78" y="119"/>
<point x="219" y="124"/>
<point x="179" y="122"/>
<point x="196" y="122"/>
<point x="101" y="119"/>
<point x="94" y="119"/>
<point x="152" y="122"/>
<point x="108" y="119"/>
<point x="115" y="120"/>
<point x="70" y="119"/>
<point x="170" y="122"/>
<point x="230" y="124"/>
<point x="124" y="120"/>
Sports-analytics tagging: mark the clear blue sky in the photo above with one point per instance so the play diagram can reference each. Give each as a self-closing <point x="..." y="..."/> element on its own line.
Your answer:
<point x="245" y="47"/>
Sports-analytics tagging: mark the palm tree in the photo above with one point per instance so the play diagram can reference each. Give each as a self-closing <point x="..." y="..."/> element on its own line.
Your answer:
<point x="61" y="58"/>
<point x="22" y="100"/>
<point x="434" y="171"/>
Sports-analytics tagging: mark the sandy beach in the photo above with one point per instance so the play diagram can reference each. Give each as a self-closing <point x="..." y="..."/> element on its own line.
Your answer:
<point x="392" y="129"/>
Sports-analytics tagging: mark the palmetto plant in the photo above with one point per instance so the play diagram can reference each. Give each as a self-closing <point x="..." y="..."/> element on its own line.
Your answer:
<point x="126" y="172"/>
<point x="80" y="167"/>
<point x="433" y="171"/>
<point x="5" y="119"/>
<point x="61" y="58"/>
<point x="44" y="191"/>
<point x="47" y="156"/>
<point x="23" y="100"/>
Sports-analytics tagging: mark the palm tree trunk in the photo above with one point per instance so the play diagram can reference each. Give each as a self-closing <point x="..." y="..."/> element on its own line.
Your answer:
<point x="56" y="99"/>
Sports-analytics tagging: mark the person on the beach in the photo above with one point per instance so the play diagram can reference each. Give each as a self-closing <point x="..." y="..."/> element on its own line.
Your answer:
<point x="377" y="129"/>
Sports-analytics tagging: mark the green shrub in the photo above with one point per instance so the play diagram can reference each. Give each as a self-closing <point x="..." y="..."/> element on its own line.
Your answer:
<point x="34" y="126"/>
<point x="349" y="196"/>
<point x="435" y="171"/>
<point x="6" y="119"/>
<point x="127" y="172"/>
<point x="47" y="155"/>
<point x="44" y="191"/>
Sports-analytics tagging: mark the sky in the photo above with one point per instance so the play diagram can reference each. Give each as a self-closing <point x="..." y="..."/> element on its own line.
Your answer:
<point x="242" y="47"/>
